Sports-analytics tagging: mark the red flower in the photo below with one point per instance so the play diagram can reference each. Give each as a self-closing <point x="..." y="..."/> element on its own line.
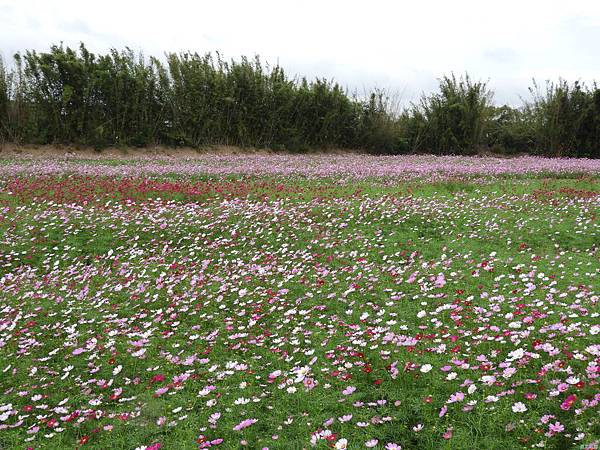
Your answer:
<point x="569" y="401"/>
<point x="157" y="378"/>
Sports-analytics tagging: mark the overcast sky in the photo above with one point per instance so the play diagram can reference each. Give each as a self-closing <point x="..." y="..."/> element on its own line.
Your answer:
<point x="403" y="46"/>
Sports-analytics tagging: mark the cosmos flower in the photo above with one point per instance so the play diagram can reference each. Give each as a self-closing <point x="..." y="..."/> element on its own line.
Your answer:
<point x="197" y="287"/>
<point x="349" y="390"/>
<point x="519" y="407"/>
<point x="342" y="444"/>
<point x="426" y="368"/>
<point x="244" y="424"/>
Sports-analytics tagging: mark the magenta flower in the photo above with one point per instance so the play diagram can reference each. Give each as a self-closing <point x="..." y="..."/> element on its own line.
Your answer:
<point x="568" y="402"/>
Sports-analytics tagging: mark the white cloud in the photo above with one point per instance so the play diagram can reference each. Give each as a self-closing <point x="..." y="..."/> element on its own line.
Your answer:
<point x="400" y="45"/>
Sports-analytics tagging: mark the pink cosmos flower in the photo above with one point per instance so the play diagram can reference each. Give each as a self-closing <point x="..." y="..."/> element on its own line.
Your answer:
<point x="440" y="281"/>
<point x="309" y="383"/>
<point x="161" y="391"/>
<point x="349" y="390"/>
<point x="556" y="427"/>
<point x="546" y="418"/>
<point x="443" y="411"/>
<point x="244" y="424"/>
<point x="456" y="397"/>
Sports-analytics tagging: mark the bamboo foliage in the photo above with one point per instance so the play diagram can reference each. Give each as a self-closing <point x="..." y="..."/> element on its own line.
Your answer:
<point x="72" y="96"/>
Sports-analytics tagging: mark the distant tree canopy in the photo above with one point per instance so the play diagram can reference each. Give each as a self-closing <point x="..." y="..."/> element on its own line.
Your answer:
<point x="68" y="96"/>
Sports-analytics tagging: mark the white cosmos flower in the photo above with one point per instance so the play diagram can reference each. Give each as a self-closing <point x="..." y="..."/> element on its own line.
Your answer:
<point x="342" y="444"/>
<point x="519" y="407"/>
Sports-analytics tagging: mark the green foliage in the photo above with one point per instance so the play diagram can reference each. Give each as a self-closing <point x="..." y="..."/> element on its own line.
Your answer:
<point x="454" y="120"/>
<point x="379" y="128"/>
<point x="121" y="98"/>
<point x="510" y="130"/>
<point x="77" y="97"/>
<point x="566" y="118"/>
<point x="4" y="99"/>
<point x="68" y="96"/>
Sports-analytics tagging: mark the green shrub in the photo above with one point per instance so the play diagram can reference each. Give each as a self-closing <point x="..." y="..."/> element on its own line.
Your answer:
<point x="565" y="118"/>
<point x="121" y="98"/>
<point x="453" y="120"/>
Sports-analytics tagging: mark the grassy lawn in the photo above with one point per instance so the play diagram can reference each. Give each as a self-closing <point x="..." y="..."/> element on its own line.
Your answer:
<point x="256" y="312"/>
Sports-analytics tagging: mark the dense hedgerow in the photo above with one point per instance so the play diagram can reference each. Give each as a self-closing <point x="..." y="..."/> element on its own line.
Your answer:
<point x="67" y="96"/>
<point x="121" y="98"/>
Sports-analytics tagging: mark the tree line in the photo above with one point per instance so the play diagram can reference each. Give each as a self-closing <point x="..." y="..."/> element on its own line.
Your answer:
<point x="122" y="98"/>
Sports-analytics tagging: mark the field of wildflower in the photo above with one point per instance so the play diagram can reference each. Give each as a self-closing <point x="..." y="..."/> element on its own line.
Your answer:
<point x="299" y="302"/>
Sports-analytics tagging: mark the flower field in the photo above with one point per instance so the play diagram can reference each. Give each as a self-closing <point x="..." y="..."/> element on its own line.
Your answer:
<point x="298" y="302"/>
